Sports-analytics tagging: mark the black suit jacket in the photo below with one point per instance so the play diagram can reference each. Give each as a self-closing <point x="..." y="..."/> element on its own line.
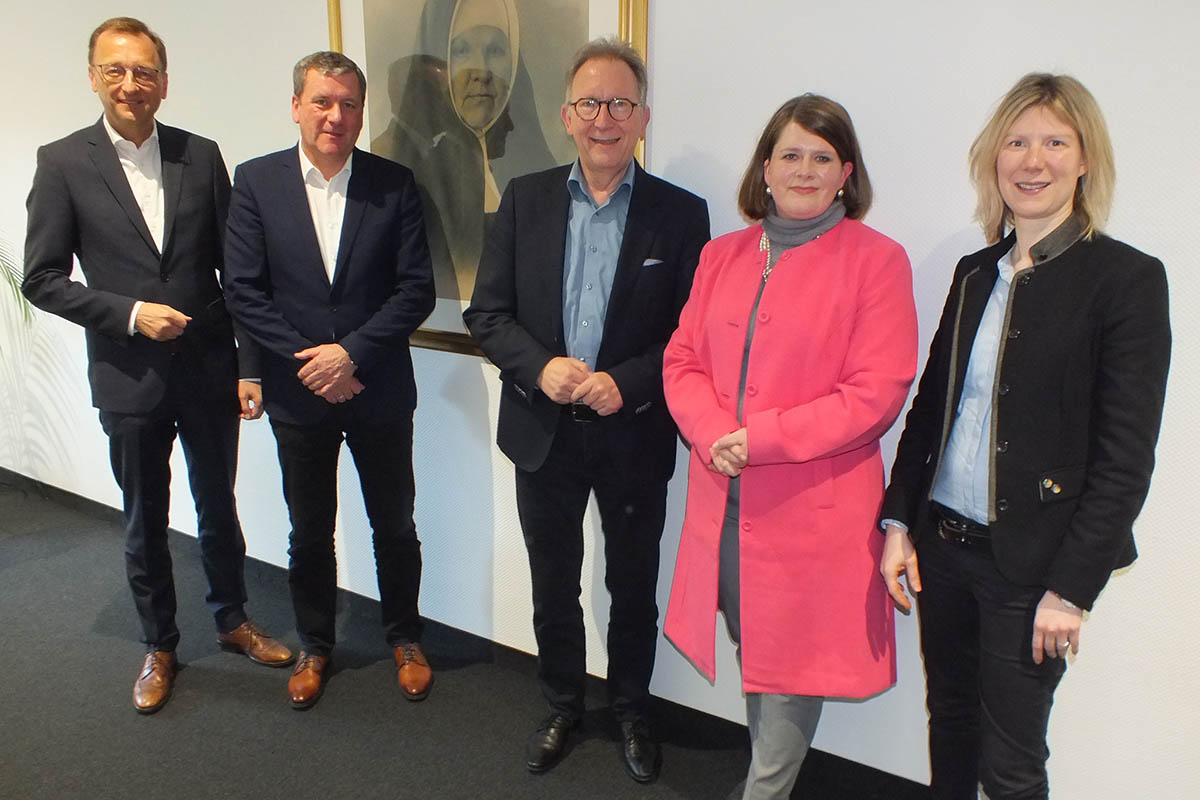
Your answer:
<point x="81" y="204"/>
<point x="516" y="313"/>
<point x="382" y="287"/>
<point x="1076" y="408"/>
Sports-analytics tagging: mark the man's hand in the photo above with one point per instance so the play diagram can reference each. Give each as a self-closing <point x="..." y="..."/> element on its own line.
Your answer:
<point x="561" y="377"/>
<point x="899" y="558"/>
<point x="599" y="391"/>
<point x="1055" y="628"/>
<point x="250" y="399"/>
<point x="327" y="364"/>
<point x="340" y="391"/>
<point x="160" y="323"/>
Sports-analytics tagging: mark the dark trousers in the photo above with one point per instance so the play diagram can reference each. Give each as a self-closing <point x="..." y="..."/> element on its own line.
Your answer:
<point x="206" y="419"/>
<point x="989" y="703"/>
<point x="551" y="503"/>
<point x="308" y="457"/>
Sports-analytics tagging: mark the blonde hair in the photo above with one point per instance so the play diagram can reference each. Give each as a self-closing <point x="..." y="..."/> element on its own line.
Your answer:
<point x="1075" y="105"/>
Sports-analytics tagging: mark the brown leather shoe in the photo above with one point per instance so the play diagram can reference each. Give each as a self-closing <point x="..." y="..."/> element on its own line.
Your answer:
<point x="308" y="680"/>
<point x="152" y="689"/>
<point x="412" y="670"/>
<point x="258" y="645"/>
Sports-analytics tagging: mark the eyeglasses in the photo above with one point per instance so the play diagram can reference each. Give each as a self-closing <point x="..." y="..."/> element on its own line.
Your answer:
<point x="115" y="73"/>
<point x="619" y="108"/>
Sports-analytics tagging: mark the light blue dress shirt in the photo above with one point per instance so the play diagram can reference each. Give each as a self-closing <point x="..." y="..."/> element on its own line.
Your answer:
<point x="594" y="234"/>
<point x="963" y="476"/>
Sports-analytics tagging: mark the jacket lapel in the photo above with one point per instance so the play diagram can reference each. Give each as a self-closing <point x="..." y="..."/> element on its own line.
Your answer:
<point x="295" y="207"/>
<point x="104" y="156"/>
<point x="640" y="227"/>
<point x="172" y="146"/>
<point x="976" y="289"/>
<point x="357" y="193"/>
<point x="556" y="201"/>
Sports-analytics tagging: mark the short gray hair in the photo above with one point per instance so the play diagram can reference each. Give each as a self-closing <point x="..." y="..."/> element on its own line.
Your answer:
<point x="612" y="48"/>
<point x="326" y="62"/>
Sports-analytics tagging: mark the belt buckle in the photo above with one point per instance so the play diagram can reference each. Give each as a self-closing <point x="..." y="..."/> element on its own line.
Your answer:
<point x="955" y="533"/>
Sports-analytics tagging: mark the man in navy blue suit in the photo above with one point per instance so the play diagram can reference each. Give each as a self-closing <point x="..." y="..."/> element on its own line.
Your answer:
<point x="143" y="207"/>
<point x="327" y="268"/>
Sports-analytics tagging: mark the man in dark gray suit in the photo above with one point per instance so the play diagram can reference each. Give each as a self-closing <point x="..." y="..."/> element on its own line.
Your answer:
<point x="579" y="289"/>
<point x="143" y="207"/>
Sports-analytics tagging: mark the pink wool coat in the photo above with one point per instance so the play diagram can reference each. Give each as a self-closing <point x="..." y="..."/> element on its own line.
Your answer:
<point x="833" y="355"/>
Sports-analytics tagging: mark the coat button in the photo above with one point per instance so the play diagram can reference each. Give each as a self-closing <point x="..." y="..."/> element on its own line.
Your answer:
<point x="1002" y="447"/>
<point x="746" y="526"/>
<point x="763" y="316"/>
<point x="1002" y="389"/>
<point x="1002" y="504"/>
<point x="752" y="390"/>
<point x="1014" y="333"/>
<point x="1056" y="489"/>
<point x="1047" y="483"/>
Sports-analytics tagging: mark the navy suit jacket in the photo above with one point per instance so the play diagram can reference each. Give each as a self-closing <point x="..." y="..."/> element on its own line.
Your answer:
<point x="516" y="313"/>
<point x="81" y="205"/>
<point x="382" y="287"/>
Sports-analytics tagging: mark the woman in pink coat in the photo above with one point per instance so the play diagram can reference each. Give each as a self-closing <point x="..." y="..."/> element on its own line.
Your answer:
<point x="794" y="354"/>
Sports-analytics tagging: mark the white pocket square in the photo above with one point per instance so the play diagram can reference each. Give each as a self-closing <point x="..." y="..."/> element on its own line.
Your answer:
<point x="650" y="262"/>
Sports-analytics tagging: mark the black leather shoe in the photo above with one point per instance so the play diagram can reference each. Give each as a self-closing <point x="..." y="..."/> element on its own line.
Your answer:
<point x="639" y="753"/>
<point x="548" y="742"/>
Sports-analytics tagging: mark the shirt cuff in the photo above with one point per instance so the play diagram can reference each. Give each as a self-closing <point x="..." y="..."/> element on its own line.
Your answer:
<point x="883" y="524"/>
<point x="133" y="317"/>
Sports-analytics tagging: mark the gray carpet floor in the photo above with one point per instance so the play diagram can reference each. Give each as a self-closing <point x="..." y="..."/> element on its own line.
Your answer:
<point x="70" y="654"/>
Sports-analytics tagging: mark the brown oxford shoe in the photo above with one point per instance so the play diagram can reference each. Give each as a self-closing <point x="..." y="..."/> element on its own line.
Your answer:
<point x="412" y="670"/>
<point x="258" y="645"/>
<point x="152" y="689"/>
<point x="308" y="680"/>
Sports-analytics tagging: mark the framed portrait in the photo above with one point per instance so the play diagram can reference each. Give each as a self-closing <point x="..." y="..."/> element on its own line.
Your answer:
<point x="467" y="94"/>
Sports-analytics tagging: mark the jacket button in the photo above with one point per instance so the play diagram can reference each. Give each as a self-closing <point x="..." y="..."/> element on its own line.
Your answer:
<point x="1047" y="483"/>
<point x="166" y="278"/>
<point x="1014" y="333"/>
<point x="1002" y="504"/>
<point x="1025" y="279"/>
<point x="1002" y="447"/>
<point x="1056" y="489"/>
<point x="1002" y="389"/>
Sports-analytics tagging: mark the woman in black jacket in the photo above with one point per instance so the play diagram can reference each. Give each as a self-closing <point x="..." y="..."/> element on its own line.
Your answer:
<point x="1028" y="450"/>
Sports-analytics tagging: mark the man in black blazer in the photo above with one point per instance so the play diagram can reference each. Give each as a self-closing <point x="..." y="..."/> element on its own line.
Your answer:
<point x="579" y="288"/>
<point x="143" y="207"/>
<point x="328" y="269"/>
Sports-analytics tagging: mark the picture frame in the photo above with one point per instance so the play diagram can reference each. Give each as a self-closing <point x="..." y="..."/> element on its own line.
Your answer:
<point x="628" y="19"/>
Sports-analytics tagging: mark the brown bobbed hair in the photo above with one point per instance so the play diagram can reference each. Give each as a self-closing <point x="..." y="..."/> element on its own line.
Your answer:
<point x="132" y="26"/>
<point x="820" y="116"/>
<point x="1075" y="105"/>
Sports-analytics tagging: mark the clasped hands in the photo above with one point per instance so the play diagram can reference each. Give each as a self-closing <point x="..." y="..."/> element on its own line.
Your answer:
<point x="569" y="380"/>
<point x="328" y="373"/>
<point x="729" y="454"/>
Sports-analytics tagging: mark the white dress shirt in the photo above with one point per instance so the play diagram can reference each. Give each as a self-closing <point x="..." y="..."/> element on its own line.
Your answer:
<point x="327" y="204"/>
<point x="143" y="169"/>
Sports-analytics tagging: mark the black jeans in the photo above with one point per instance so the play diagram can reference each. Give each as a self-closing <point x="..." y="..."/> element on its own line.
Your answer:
<point x="308" y="457"/>
<point x="989" y="703"/>
<point x="205" y="417"/>
<point x="551" y="503"/>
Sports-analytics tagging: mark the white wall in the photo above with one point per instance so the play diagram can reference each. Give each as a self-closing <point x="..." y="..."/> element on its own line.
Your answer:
<point x="919" y="79"/>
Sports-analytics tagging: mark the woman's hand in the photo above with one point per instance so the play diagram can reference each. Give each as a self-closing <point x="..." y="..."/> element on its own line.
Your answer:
<point x="1055" y="628"/>
<point x="730" y="453"/>
<point x="899" y="558"/>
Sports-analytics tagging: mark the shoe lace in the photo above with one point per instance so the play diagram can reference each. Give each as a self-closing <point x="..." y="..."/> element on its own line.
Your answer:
<point x="412" y="652"/>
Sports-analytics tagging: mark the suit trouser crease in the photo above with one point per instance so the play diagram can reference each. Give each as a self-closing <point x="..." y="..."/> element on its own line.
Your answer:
<point x="205" y="419"/>
<point x="551" y="502"/>
<point x="308" y="458"/>
<point x="989" y="703"/>
<point x="781" y="726"/>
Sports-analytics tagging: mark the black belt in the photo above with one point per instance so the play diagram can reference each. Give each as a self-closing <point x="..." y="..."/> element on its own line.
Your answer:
<point x="957" y="529"/>
<point x="582" y="413"/>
